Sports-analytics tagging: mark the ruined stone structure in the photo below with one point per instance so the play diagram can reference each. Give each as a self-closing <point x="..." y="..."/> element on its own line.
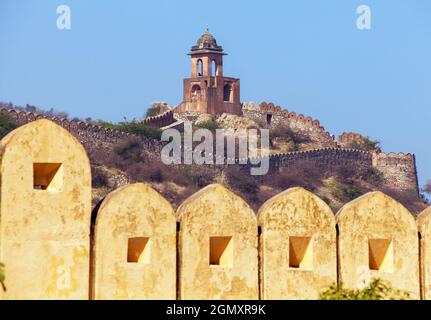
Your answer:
<point x="293" y="249"/>
<point x="208" y="90"/>
<point x="350" y="136"/>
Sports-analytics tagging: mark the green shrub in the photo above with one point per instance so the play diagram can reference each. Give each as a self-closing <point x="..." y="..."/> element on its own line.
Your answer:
<point x="7" y="124"/>
<point x="129" y="149"/>
<point x="370" y="145"/>
<point x="2" y="276"/>
<point x="98" y="178"/>
<point x="107" y="124"/>
<point x="376" y="290"/>
<point x="282" y="132"/>
<point x="210" y="125"/>
<point x="242" y="181"/>
<point x="304" y="174"/>
<point x="196" y="175"/>
<point x="344" y="191"/>
<point x="286" y="133"/>
<point x="135" y="127"/>
<point x="141" y="129"/>
<point x="153" y="110"/>
<point x="365" y="144"/>
<point x="374" y="176"/>
<point x="152" y="171"/>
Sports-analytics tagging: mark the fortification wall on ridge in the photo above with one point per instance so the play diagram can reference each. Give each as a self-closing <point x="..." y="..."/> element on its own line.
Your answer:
<point x="326" y="159"/>
<point x="161" y="120"/>
<point x="399" y="170"/>
<point x="92" y="136"/>
<point x="273" y="116"/>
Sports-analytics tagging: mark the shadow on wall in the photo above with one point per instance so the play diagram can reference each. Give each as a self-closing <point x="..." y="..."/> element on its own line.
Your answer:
<point x="213" y="247"/>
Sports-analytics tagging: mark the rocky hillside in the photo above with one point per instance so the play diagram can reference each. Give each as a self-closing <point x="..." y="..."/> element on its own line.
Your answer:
<point x="119" y="159"/>
<point x="127" y="164"/>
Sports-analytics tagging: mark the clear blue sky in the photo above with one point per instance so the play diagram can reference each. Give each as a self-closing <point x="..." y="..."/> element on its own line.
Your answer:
<point x="307" y="56"/>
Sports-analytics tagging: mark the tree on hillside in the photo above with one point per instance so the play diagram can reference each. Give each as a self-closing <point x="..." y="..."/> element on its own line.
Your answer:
<point x="365" y="144"/>
<point x="134" y="126"/>
<point x="286" y="133"/>
<point x="7" y="124"/>
<point x="157" y="108"/>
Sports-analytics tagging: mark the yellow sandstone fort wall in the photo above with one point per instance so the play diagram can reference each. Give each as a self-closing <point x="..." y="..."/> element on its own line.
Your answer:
<point x="378" y="238"/>
<point x="297" y="246"/>
<point x="217" y="246"/>
<point x="210" y="249"/>
<point x="135" y="246"/>
<point x="45" y="211"/>
<point x="424" y="225"/>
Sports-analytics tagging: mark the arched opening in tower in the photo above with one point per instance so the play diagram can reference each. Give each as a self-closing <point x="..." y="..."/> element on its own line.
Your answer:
<point x="213" y="69"/>
<point x="268" y="118"/>
<point x="196" y="92"/>
<point x="227" y="93"/>
<point x="200" y="68"/>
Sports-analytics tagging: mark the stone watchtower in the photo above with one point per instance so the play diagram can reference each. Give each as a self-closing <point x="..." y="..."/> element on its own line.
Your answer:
<point x="207" y="90"/>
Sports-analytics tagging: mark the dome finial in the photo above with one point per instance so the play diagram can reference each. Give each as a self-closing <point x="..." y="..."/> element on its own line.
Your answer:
<point x="207" y="42"/>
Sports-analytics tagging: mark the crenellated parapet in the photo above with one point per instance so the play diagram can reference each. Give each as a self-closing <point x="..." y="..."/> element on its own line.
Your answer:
<point x="327" y="159"/>
<point x="161" y="120"/>
<point x="307" y="121"/>
<point x="266" y="108"/>
<point x="23" y="117"/>
<point x="91" y="135"/>
<point x="350" y="137"/>
<point x="273" y="116"/>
